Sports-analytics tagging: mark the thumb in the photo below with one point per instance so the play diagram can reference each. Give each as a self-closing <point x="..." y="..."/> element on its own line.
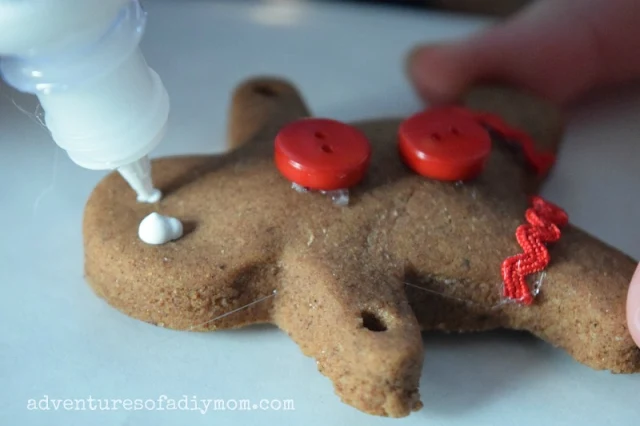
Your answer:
<point x="633" y="307"/>
<point x="548" y="48"/>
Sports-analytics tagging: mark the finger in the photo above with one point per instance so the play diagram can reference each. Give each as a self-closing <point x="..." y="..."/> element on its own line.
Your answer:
<point x="633" y="307"/>
<point x="557" y="49"/>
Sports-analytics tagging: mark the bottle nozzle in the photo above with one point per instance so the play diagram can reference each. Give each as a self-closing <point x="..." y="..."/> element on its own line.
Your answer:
<point x="138" y="175"/>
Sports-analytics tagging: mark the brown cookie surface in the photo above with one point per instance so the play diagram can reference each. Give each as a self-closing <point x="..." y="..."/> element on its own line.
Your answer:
<point x="354" y="286"/>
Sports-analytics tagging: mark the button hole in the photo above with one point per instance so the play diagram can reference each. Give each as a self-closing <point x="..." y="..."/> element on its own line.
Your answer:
<point x="326" y="148"/>
<point x="455" y="131"/>
<point x="436" y="137"/>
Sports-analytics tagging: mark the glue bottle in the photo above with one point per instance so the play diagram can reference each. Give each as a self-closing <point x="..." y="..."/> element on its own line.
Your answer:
<point x="81" y="58"/>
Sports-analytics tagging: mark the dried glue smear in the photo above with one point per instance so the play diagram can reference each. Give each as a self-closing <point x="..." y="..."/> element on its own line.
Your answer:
<point x="158" y="229"/>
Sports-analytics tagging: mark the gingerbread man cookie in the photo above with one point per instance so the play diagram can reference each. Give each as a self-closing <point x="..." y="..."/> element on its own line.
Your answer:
<point x="354" y="285"/>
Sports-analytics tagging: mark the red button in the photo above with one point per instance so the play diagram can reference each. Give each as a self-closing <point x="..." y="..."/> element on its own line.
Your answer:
<point x="444" y="143"/>
<point x="322" y="154"/>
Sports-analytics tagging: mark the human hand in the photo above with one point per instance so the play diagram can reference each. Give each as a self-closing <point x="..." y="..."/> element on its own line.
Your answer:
<point x="558" y="49"/>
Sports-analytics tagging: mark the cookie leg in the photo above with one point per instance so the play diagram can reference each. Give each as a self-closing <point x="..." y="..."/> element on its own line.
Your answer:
<point x="581" y="305"/>
<point x="367" y="342"/>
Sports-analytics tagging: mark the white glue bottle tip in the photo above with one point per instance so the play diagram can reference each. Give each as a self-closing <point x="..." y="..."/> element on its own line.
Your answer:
<point x="158" y="229"/>
<point x="138" y="175"/>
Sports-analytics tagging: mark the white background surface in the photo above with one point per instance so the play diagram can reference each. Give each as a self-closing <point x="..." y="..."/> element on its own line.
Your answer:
<point x="58" y="339"/>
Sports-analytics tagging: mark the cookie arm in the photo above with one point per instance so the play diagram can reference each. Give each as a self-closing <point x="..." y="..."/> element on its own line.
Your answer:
<point x="260" y="107"/>
<point x="364" y="338"/>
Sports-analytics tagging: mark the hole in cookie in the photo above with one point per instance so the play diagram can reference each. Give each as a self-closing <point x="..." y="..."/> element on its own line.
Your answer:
<point x="372" y="322"/>
<point x="326" y="148"/>
<point x="265" y="91"/>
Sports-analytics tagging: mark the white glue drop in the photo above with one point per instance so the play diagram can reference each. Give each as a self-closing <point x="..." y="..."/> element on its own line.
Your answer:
<point x="158" y="229"/>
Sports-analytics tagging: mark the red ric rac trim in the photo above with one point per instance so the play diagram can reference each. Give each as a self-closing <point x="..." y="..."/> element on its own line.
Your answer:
<point x="540" y="161"/>
<point x="544" y="222"/>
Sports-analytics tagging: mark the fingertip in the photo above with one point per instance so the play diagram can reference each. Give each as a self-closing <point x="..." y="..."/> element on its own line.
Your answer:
<point x="437" y="72"/>
<point x="633" y="307"/>
<point x="548" y="50"/>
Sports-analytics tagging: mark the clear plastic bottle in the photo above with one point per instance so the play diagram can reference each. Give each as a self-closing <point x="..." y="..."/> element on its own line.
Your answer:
<point x="102" y="102"/>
